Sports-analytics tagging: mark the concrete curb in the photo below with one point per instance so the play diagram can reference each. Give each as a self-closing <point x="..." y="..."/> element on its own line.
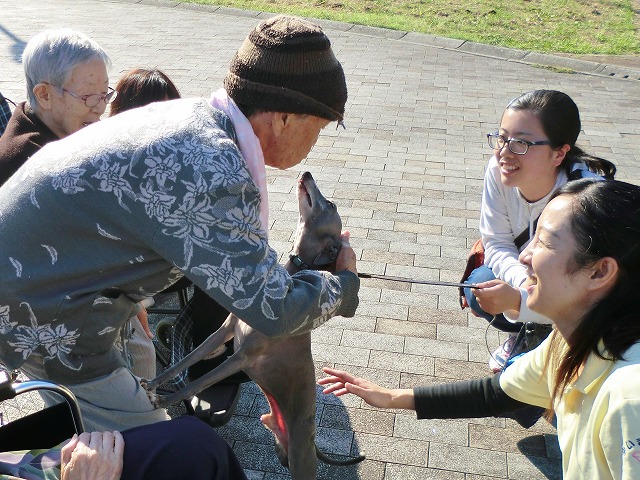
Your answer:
<point x="571" y="65"/>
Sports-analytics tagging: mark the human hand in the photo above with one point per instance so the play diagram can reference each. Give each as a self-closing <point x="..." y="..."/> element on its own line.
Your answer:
<point x="375" y="395"/>
<point x="497" y="296"/>
<point x="347" y="257"/>
<point x="143" y="317"/>
<point x="93" y="456"/>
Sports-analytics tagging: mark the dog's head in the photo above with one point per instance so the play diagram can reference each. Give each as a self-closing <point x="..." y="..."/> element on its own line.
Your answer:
<point x="317" y="240"/>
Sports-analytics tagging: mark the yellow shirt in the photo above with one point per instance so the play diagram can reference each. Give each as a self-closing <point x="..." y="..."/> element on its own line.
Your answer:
<point x="598" y="415"/>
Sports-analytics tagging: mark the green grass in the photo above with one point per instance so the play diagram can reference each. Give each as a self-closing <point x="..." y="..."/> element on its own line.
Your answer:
<point x="551" y="26"/>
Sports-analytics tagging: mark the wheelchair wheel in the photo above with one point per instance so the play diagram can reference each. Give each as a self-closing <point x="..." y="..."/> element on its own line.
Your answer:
<point x="163" y="332"/>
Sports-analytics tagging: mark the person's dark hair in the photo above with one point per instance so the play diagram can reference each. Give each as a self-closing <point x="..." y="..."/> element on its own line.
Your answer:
<point x="605" y="222"/>
<point x="560" y="121"/>
<point x="140" y="87"/>
<point x="248" y="110"/>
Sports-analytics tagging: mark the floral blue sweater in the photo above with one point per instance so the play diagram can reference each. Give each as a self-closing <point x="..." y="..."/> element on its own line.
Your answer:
<point x="118" y="211"/>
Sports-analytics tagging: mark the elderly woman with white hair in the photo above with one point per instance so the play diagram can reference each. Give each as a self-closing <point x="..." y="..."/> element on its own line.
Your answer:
<point x="67" y="89"/>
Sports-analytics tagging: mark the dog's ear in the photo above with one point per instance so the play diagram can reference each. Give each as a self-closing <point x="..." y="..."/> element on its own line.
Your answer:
<point x="327" y="255"/>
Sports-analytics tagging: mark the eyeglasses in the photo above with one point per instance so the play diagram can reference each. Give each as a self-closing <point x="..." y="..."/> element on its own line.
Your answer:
<point x="516" y="145"/>
<point x="93" y="99"/>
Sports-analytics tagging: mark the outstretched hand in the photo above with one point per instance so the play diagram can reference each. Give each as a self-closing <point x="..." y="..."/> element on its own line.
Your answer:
<point x="143" y="317"/>
<point x="375" y="395"/>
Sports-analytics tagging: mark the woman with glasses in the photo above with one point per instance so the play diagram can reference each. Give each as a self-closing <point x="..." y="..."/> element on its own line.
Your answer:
<point x="583" y="268"/>
<point x="67" y="89"/>
<point x="535" y="153"/>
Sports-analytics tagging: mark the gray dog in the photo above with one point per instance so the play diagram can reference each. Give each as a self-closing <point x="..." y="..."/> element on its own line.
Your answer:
<point x="282" y="367"/>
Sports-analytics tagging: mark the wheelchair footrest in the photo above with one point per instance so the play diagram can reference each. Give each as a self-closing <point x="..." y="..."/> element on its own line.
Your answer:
<point x="216" y="404"/>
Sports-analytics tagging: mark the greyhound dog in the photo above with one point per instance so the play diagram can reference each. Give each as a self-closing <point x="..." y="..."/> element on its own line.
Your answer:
<point x="282" y="367"/>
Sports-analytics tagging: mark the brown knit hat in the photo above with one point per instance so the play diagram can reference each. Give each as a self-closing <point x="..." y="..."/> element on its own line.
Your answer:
<point x="286" y="65"/>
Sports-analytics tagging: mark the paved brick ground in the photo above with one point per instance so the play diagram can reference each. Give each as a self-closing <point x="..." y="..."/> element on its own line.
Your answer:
<point x="407" y="177"/>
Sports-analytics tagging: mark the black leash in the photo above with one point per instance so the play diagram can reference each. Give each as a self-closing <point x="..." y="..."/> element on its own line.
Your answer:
<point x="298" y="262"/>
<point x="422" y="282"/>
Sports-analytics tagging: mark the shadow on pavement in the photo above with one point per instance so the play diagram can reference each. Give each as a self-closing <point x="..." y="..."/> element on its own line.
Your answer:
<point x="536" y="447"/>
<point x="335" y="437"/>
<point x="254" y="444"/>
<point x="17" y="46"/>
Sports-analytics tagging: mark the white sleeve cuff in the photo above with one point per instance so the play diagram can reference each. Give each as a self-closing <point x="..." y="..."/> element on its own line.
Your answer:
<point x="146" y="302"/>
<point x="526" y="314"/>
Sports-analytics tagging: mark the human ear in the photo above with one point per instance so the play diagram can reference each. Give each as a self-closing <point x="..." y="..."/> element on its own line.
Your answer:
<point x="560" y="154"/>
<point x="280" y="122"/>
<point x="43" y="96"/>
<point x="603" y="274"/>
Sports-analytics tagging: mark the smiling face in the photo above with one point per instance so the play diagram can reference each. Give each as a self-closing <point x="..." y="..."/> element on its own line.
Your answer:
<point x="64" y="114"/>
<point x="535" y="172"/>
<point x="556" y="289"/>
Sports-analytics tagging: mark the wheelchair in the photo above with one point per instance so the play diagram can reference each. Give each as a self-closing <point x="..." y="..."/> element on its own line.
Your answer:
<point x="42" y="429"/>
<point x="174" y="339"/>
<point x="49" y="426"/>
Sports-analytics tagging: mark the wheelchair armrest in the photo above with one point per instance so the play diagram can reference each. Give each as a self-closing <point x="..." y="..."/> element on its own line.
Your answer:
<point x="6" y="390"/>
<point x="9" y="390"/>
<point x="43" y="429"/>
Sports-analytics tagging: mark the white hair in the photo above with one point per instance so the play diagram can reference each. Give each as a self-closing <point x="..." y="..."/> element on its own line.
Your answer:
<point x="51" y="55"/>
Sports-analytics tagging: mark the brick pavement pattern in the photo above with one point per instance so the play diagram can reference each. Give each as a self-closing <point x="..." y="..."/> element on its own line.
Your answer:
<point x="406" y="175"/>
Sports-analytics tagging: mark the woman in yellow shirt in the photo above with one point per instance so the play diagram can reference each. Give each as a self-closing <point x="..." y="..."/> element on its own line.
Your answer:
<point x="583" y="270"/>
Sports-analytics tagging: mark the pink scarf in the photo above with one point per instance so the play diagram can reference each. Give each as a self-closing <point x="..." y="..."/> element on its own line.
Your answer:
<point x="249" y="147"/>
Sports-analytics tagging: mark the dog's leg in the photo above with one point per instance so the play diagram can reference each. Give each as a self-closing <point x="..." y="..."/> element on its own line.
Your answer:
<point x="302" y="427"/>
<point x="214" y="341"/>
<point x="231" y="365"/>
<point x="290" y="389"/>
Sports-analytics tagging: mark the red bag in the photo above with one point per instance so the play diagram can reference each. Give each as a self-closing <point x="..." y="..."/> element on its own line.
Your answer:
<point x="474" y="260"/>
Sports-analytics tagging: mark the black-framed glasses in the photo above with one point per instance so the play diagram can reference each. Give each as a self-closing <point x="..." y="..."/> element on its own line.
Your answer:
<point x="93" y="99"/>
<point x="516" y="145"/>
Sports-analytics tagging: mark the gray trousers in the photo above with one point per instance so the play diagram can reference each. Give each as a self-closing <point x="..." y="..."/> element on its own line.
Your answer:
<point x="115" y="401"/>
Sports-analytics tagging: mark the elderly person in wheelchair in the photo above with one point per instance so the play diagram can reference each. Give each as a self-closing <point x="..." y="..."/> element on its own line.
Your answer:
<point x="37" y="446"/>
<point x="95" y="222"/>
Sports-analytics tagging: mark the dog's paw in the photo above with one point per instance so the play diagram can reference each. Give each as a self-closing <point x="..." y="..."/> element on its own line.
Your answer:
<point x="154" y="399"/>
<point x="148" y="385"/>
<point x="149" y="390"/>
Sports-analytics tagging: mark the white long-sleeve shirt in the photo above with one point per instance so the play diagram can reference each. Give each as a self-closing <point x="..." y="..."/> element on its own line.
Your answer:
<point x="504" y="215"/>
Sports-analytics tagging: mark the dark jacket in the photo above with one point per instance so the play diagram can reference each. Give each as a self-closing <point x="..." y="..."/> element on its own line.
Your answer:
<point x="25" y="135"/>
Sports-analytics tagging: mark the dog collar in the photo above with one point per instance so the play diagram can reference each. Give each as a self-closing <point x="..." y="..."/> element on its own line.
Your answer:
<point x="297" y="261"/>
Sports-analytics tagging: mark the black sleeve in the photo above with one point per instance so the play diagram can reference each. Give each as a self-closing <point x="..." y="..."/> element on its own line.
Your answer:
<point x="478" y="398"/>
